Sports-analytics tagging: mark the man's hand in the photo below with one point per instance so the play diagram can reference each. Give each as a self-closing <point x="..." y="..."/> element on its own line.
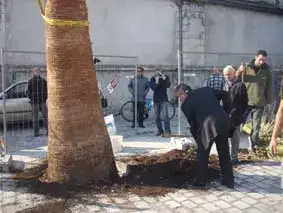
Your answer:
<point x="242" y="68"/>
<point x="156" y="79"/>
<point x="273" y="146"/>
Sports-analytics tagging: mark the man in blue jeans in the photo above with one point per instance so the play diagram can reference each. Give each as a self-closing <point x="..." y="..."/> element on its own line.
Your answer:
<point x="159" y="84"/>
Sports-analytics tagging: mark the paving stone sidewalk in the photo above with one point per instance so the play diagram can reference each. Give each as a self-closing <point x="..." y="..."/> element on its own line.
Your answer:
<point x="258" y="189"/>
<point x="258" y="185"/>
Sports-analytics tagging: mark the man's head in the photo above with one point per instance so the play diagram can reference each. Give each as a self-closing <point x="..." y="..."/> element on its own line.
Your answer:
<point x="35" y="72"/>
<point x="229" y="73"/>
<point x="260" y="58"/>
<point x="215" y="70"/>
<point x="182" y="91"/>
<point x="140" y="71"/>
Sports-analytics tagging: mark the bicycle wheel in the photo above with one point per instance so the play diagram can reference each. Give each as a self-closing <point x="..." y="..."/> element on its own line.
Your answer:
<point x="127" y="111"/>
<point x="171" y="110"/>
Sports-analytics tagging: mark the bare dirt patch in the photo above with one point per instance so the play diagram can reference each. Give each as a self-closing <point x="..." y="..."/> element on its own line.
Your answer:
<point x="50" y="207"/>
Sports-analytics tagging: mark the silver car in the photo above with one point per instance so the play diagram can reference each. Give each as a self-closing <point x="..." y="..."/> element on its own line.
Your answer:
<point x="18" y="108"/>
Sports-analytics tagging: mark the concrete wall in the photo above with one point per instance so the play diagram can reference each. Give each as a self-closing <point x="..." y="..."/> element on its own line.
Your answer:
<point x="126" y="27"/>
<point x="230" y="31"/>
<point x="148" y="29"/>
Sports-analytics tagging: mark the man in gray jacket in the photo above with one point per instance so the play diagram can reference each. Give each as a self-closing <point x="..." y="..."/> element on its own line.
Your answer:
<point x="142" y="90"/>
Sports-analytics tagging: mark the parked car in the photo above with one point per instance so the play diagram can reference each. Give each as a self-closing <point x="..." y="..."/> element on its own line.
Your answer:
<point x="18" y="108"/>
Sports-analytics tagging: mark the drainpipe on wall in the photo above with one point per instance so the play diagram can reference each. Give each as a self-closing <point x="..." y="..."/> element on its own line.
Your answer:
<point x="4" y="8"/>
<point x="180" y="11"/>
<point x="3" y="76"/>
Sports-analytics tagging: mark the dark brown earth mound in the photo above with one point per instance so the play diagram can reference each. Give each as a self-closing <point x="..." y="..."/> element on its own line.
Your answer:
<point x="154" y="175"/>
<point x="50" y="207"/>
<point x="146" y="176"/>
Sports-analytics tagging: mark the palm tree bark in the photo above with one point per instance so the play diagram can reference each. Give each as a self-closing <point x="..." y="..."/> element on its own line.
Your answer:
<point x="79" y="147"/>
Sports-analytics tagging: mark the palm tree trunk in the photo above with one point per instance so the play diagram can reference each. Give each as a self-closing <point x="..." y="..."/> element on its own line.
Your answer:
<point x="79" y="147"/>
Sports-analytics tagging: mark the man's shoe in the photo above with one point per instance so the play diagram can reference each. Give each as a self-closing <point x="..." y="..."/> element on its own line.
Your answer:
<point x="141" y="126"/>
<point x="198" y="186"/>
<point x="255" y="147"/>
<point x="133" y="126"/>
<point x="167" y="135"/>
<point x="159" y="134"/>
<point x="228" y="184"/>
<point x="36" y="134"/>
<point x="235" y="162"/>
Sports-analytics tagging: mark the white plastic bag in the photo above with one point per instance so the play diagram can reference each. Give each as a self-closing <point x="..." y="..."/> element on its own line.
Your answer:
<point x="110" y="124"/>
<point x="182" y="143"/>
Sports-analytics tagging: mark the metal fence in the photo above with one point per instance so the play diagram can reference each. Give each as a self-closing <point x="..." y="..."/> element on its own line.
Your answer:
<point x="197" y="67"/>
<point x="15" y="109"/>
<point x="113" y="75"/>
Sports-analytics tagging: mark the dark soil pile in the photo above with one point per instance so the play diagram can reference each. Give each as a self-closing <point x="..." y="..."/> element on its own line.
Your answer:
<point x="146" y="176"/>
<point x="50" y="207"/>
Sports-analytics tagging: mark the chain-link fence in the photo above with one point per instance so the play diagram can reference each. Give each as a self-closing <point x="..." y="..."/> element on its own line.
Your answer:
<point x="113" y="76"/>
<point x="16" y="111"/>
<point x="15" y="107"/>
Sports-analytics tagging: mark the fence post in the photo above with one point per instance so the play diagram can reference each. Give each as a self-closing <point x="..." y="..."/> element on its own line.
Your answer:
<point x="4" y="137"/>
<point x="136" y="98"/>
<point x="179" y="81"/>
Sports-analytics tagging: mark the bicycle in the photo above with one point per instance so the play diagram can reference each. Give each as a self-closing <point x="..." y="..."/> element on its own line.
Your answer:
<point x="127" y="110"/>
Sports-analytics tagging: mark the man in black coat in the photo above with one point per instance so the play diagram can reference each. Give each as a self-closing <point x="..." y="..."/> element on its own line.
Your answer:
<point x="209" y="122"/>
<point x="238" y="105"/>
<point x="37" y="93"/>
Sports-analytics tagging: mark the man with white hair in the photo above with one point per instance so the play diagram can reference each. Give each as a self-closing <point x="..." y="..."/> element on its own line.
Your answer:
<point x="216" y="81"/>
<point x="238" y="104"/>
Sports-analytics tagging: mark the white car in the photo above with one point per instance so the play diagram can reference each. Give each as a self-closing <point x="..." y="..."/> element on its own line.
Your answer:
<point x="18" y="107"/>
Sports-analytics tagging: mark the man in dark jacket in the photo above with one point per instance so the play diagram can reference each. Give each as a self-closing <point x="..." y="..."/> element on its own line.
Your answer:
<point x="139" y="86"/>
<point x="238" y="104"/>
<point x="258" y="80"/>
<point x="208" y="122"/>
<point x="159" y="84"/>
<point x="37" y="93"/>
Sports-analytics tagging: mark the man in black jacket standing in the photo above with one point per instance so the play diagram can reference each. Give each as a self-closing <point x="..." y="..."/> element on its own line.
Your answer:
<point x="238" y="105"/>
<point x="208" y="122"/>
<point x="37" y="93"/>
<point x="159" y="84"/>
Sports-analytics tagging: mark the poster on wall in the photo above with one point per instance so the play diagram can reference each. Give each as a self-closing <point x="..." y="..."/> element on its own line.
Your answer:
<point x="112" y="85"/>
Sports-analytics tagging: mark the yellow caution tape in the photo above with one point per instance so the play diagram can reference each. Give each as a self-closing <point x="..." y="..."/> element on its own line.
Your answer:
<point x="61" y="22"/>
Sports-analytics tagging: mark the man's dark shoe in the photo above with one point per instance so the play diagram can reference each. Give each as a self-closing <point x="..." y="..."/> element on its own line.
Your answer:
<point x="255" y="148"/>
<point x="235" y="162"/>
<point x="228" y="184"/>
<point x="198" y="186"/>
<point x="141" y="126"/>
<point x="36" y="134"/>
<point x="159" y="134"/>
<point x="133" y="126"/>
<point x="167" y="135"/>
